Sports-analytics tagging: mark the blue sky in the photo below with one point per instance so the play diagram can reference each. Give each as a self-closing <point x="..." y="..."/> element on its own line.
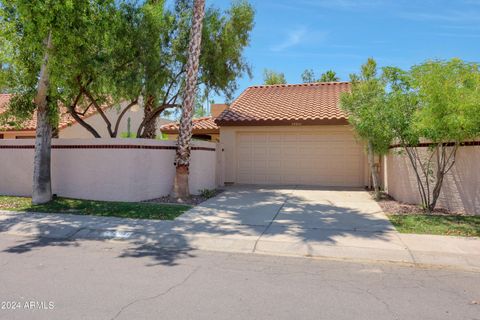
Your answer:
<point x="292" y="35"/>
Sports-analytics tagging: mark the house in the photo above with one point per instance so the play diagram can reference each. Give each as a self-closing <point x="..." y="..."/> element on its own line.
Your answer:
<point x="291" y="134"/>
<point x="70" y="129"/>
<point x="204" y="128"/>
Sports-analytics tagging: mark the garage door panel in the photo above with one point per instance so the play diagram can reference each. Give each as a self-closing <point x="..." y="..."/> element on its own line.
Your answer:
<point x="260" y="139"/>
<point x="272" y="138"/>
<point x="328" y="159"/>
<point x="244" y="178"/>
<point x="275" y="165"/>
<point x="244" y="152"/>
<point x="308" y="137"/>
<point x="274" y="153"/>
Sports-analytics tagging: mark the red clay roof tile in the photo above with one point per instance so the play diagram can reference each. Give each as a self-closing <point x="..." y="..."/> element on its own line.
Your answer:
<point x="280" y="104"/>
<point x="29" y="125"/>
<point x="200" y="125"/>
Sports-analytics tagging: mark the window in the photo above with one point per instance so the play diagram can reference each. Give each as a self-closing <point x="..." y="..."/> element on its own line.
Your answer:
<point x="24" y="137"/>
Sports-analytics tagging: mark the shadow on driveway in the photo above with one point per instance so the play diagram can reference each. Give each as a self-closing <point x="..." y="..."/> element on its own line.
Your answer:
<point x="241" y="216"/>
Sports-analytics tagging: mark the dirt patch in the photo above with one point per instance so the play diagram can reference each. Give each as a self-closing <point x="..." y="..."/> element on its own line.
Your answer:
<point x="193" y="200"/>
<point x="391" y="206"/>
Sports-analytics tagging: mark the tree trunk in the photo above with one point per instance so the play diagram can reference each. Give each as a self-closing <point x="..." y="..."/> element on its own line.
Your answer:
<point x="182" y="157"/>
<point x="149" y="129"/>
<point x="415" y="161"/>
<point x="42" y="189"/>
<point x="444" y="164"/>
<point x="373" y="170"/>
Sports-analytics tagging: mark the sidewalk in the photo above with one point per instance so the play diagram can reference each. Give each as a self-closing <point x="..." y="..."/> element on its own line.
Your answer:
<point x="188" y="235"/>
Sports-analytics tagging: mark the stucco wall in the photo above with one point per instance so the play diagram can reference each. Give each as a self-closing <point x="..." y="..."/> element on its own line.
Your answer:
<point x="76" y="131"/>
<point x="17" y="134"/>
<point x="461" y="187"/>
<point x="228" y="138"/>
<point x="106" y="169"/>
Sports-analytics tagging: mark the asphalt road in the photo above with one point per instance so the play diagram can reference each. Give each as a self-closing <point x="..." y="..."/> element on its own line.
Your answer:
<point x="115" y="280"/>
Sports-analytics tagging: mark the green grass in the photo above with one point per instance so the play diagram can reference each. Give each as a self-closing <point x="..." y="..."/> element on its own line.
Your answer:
<point x="133" y="210"/>
<point x="466" y="226"/>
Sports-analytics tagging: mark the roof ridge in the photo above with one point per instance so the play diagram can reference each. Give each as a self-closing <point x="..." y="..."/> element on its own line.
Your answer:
<point x="175" y="122"/>
<point x="202" y="118"/>
<point x="311" y="84"/>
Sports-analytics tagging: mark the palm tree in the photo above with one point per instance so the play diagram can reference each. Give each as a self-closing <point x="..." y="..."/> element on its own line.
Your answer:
<point x="182" y="157"/>
<point x="42" y="187"/>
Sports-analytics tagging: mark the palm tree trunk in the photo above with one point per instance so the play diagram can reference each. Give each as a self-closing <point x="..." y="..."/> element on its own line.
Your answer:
<point x="182" y="157"/>
<point x="42" y="188"/>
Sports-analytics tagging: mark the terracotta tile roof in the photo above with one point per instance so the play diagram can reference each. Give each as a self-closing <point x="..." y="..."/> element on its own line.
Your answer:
<point x="65" y="118"/>
<point x="200" y="125"/>
<point x="312" y="103"/>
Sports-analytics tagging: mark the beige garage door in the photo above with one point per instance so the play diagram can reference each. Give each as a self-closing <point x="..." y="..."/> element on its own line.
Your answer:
<point x="322" y="158"/>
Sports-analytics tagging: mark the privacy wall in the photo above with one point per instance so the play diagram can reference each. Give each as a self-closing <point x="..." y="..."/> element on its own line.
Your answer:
<point x="461" y="187"/>
<point x="107" y="169"/>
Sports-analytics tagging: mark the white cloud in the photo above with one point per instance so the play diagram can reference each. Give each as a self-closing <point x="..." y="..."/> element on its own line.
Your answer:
<point x="456" y="35"/>
<point x="350" y="5"/>
<point x="298" y="36"/>
<point x="452" y="16"/>
<point x="346" y="4"/>
<point x="293" y="38"/>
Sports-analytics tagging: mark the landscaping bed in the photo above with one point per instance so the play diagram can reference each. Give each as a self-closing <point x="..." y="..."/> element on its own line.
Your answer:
<point x="409" y="218"/>
<point x="192" y="200"/>
<point x="134" y="210"/>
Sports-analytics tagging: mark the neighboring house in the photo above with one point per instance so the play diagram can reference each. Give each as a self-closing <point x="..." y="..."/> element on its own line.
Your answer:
<point x="291" y="134"/>
<point x="70" y="129"/>
<point x="204" y="128"/>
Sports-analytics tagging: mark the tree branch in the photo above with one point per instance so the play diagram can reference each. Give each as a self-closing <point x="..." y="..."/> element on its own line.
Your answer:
<point x="99" y="110"/>
<point x="75" y="115"/>
<point x="120" y="116"/>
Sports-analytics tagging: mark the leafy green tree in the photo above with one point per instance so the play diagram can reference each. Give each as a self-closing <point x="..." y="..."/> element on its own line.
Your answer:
<point x="272" y="77"/>
<point x="123" y="65"/>
<point x="308" y="76"/>
<point x="436" y="102"/>
<point x="202" y="105"/>
<point x="366" y="113"/>
<point x="39" y="42"/>
<point x="224" y="36"/>
<point x="329" y="76"/>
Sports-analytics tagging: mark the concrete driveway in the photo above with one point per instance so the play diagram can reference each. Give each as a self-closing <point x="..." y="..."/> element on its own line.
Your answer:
<point x="305" y="207"/>
<point x="297" y="220"/>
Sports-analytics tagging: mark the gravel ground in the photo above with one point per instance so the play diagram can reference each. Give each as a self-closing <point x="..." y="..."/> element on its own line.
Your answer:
<point x="391" y="206"/>
<point x="193" y="200"/>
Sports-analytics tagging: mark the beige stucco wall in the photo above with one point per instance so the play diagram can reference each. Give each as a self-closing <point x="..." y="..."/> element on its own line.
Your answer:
<point x="17" y="134"/>
<point x="120" y="174"/>
<point x="461" y="187"/>
<point x="76" y="131"/>
<point x="228" y="139"/>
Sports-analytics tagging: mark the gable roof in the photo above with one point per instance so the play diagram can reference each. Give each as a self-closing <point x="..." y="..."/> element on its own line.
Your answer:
<point x="65" y="120"/>
<point x="200" y="125"/>
<point x="287" y="104"/>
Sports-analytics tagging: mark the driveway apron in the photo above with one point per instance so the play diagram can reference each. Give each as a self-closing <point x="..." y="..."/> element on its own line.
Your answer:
<point x="300" y="220"/>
